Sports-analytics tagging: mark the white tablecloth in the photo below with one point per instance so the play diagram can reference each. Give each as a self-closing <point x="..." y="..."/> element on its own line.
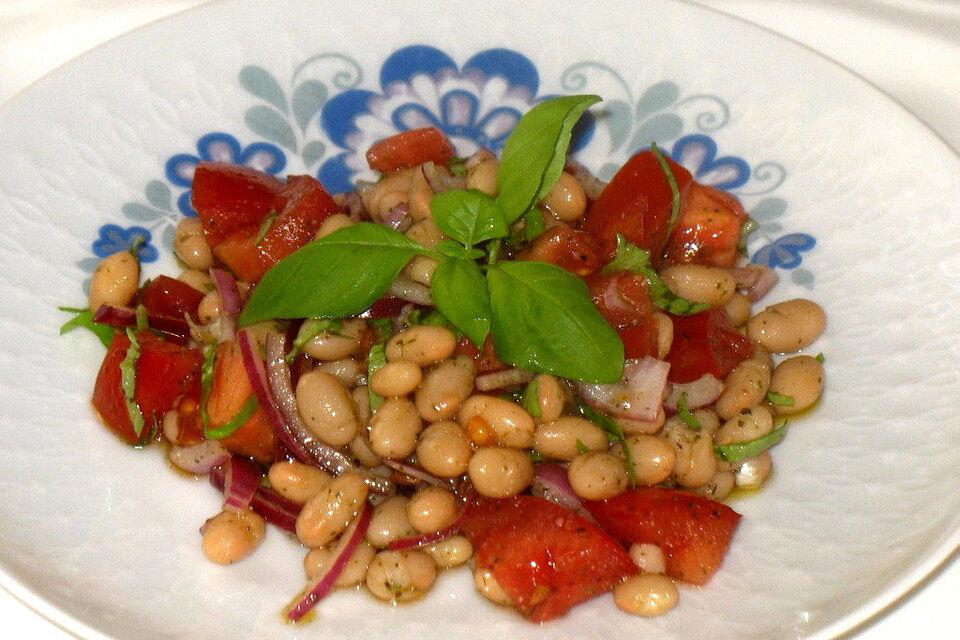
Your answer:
<point x="908" y="48"/>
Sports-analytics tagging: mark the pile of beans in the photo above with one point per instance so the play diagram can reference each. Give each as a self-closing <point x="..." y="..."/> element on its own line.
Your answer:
<point x="433" y="417"/>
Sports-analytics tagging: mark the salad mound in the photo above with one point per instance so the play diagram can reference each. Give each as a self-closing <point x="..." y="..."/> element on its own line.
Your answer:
<point x="495" y="362"/>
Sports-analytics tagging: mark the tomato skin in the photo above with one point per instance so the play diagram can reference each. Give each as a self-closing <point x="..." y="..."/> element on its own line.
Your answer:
<point x="708" y="228"/>
<point x="546" y="557"/>
<point x="623" y="299"/>
<point x="636" y="203"/>
<point x="165" y="296"/>
<point x="571" y="250"/>
<point x="230" y="197"/>
<point x="641" y="339"/>
<point x="307" y="206"/>
<point x="485" y="361"/>
<point x="409" y="149"/>
<point x="165" y="372"/>
<point x="693" y="531"/>
<point x="229" y="392"/>
<point x="704" y="343"/>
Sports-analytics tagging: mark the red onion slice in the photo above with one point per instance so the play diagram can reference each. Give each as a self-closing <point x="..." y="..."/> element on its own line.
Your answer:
<point x="273" y="507"/>
<point x="240" y="483"/>
<point x="198" y="458"/>
<point x="700" y="393"/>
<point x="415" y="472"/>
<point x="318" y="588"/>
<point x="552" y="484"/>
<point x="767" y="281"/>
<point x="502" y="379"/>
<point x="638" y="394"/>
<point x="175" y="329"/>
<point x="289" y="426"/>
<point x="398" y="218"/>
<point x="415" y="542"/>
<point x="229" y="302"/>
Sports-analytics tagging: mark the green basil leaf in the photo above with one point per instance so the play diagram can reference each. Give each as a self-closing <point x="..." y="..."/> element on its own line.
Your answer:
<point x="460" y="293"/>
<point x="128" y="382"/>
<point x="740" y="451"/>
<point x="311" y="329"/>
<point x="535" y="153"/>
<point x="468" y="216"/>
<point x="235" y="422"/>
<point x="582" y="448"/>
<point x="630" y="257"/>
<point x="453" y="249"/>
<point x="683" y="411"/>
<point x="533" y="224"/>
<point x="614" y="434"/>
<point x="206" y="382"/>
<point x="544" y="321"/>
<point x="375" y="360"/>
<point x="84" y="318"/>
<point x="780" y="399"/>
<point x="530" y="399"/>
<point x="820" y="358"/>
<point x="337" y="276"/>
<point x="674" y="189"/>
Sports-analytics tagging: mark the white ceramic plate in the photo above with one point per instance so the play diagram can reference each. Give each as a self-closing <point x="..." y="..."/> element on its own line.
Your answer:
<point x="856" y="202"/>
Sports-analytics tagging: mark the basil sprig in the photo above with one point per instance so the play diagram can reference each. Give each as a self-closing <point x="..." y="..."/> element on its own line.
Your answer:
<point x="630" y="257"/>
<point x="84" y="318"/>
<point x="128" y="382"/>
<point x="541" y="317"/>
<point x="375" y="361"/>
<point x="674" y="188"/>
<point x="206" y="382"/>
<point x="237" y="421"/>
<point x="740" y="451"/>
<point x="683" y="411"/>
<point x="614" y="434"/>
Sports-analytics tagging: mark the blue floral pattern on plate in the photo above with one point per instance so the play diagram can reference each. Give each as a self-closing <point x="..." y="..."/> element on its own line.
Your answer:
<point x="323" y="119"/>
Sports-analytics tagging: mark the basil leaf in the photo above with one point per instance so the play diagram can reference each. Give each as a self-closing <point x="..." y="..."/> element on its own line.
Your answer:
<point x="312" y="328"/>
<point x="84" y="318"/>
<point x="533" y="224"/>
<point x="630" y="257"/>
<point x="453" y="249"/>
<point x="460" y="293"/>
<point x="674" y="189"/>
<point x="206" y="382"/>
<point x="544" y="321"/>
<point x="265" y="227"/>
<point x="530" y="400"/>
<point x="683" y="411"/>
<point x="535" y="153"/>
<point x="749" y="226"/>
<point x="780" y="400"/>
<point x="235" y="422"/>
<point x="614" y="434"/>
<point x="582" y="448"/>
<point x="375" y="360"/>
<point x="337" y="276"/>
<point x="820" y="358"/>
<point x="740" y="451"/>
<point x="128" y="382"/>
<point x="468" y="216"/>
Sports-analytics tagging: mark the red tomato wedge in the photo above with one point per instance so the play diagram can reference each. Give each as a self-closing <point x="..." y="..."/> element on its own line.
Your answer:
<point x="230" y="391"/>
<point x="623" y="299"/>
<point x="409" y="149"/>
<point x="165" y="296"/>
<point x="230" y="197"/>
<point x="165" y="371"/>
<point x="704" y="343"/>
<point x="637" y="204"/>
<point x="546" y="557"/>
<point x="693" y="531"/>
<point x="572" y="250"/>
<point x="708" y="228"/>
<point x="486" y="361"/>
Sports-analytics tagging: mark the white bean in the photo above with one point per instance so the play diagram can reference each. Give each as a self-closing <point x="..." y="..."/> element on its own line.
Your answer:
<point x="232" y="535"/>
<point x="327" y="514"/>
<point x="799" y="378"/>
<point x="400" y="576"/>
<point x="646" y="594"/>
<point x="787" y="326"/>
<point x="326" y="408"/>
<point x="444" y="388"/>
<point x="510" y="423"/>
<point x="700" y="283"/>
<point x="115" y="281"/>
<point x="500" y="473"/>
<point x="422" y="344"/>
<point x="394" y="429"/>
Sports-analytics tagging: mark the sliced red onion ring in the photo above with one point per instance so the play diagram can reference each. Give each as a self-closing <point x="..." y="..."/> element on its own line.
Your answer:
<point x="768" y="280"/>
<point x="176" y="329"/>
<point x="411" y="291"/>
<point x="701" y="392"/>
<point x="415" y="472"/>
<point x="318" y="588"/>
<point x="415" y="542"/>
<point x="745" y="276"/>
<point x="398" y="218"/>
<point x="240" y="483"/>
<point x="638" y="394"/>
<point x="198" y="458"/>
<point x="551" y="483"/>
<point x="271" y="506"/>
<point x="757" y="280"/>
<point x="502" y="379"/>
<point x="229" y="302"/>
<point x="289" y="426"/>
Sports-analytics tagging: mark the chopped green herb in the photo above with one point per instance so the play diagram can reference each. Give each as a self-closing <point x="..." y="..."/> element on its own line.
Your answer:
<point x="683" y="410"/>
<point x="533" y="223"/>
<point x="312" y="328"/>
<point x="630" y="257"/>
<point x="536" y="457"/>
<point x="780" y="400"/>
<point x="455" y="165"/>
<point x="582" y="448"/>
<point x="142" y="322"/>
<point x="128" y="381"/>
<point x="383" y="327"/>
<point x="265" y="227"/>
<point x="749" y="226"/>
<point x="740" y="451"/>
<point x="206" y="382"/>
<point x="84" y="318"/>
<point x="820" y="358"/>
<point x="530" y="399"/>
<point x="375" y="360"/>
<point x="614" y="434"/>
<point x="674" y="189"/>
<point x="235" y="422"/>
<point x="135" y="250"/>
<point x="493" y="250"/>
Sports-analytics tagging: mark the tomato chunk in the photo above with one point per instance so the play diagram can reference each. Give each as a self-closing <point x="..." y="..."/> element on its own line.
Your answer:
<point x="693" y="531"/>
<point x="409" y="149"/>
<point x="229" y="198"/>
<point x="165" y="296"/>
<point x="637" y="204"/>
<point x="623" y="299"/>
<point x="704" y="343"/>
<point x="568" y="249"/>
<point x="165" y="371"/>
<point x="230" y="391"/>
<point x="485" y="361"/>
<point x="708" y="228"/>
<point x="546" y="557"/>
